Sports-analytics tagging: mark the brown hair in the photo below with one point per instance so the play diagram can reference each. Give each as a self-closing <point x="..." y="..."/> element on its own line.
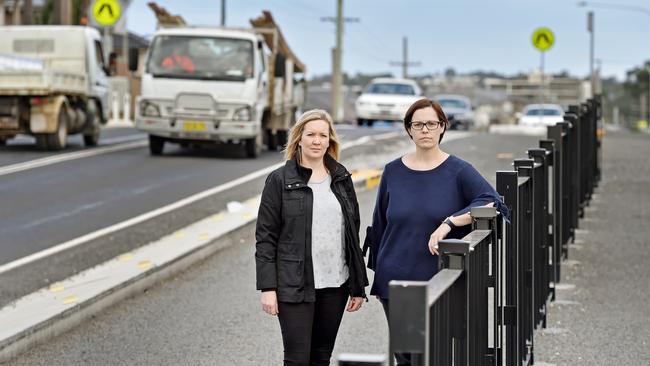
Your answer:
<point x="421" y="104"/>
<point x="295" y="134"/>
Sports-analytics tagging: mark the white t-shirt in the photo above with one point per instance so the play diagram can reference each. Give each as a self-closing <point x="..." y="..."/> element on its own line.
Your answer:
<point x="327" y="240"/>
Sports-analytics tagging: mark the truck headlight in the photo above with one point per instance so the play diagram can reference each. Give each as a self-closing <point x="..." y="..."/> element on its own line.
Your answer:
<point x="148" y="109"/>
<point x="243" y="114"/>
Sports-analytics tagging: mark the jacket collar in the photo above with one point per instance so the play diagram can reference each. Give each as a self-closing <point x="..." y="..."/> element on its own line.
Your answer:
<point x="296" y="175"/>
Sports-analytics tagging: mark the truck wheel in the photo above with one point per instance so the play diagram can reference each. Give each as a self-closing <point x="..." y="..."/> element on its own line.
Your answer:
<point x="58" y="139"/>
<point x="370" y="122"/>
<point x="253" y="146"/>
<point x="270" y="139"/>
<point x="3" y="141"/>
<point x="92" y="138"/>
<point x="156" y="145"/>
<point x="41" y="142"/>
<point x="92" y="129"/>
<point x="282" y="137"/>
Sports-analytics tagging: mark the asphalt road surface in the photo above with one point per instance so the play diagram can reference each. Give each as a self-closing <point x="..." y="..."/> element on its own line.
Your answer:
<point x="210" y="314"/>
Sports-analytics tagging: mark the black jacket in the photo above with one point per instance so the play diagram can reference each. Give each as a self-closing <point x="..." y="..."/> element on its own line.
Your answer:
<point x="283" y="232"/>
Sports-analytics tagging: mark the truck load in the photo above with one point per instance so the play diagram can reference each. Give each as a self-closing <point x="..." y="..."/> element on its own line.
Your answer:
<point x="206" y="85"/>
<point x="53" y="83"/>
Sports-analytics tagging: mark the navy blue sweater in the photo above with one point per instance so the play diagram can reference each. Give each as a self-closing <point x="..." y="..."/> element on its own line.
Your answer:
<point x="411" y="204"/>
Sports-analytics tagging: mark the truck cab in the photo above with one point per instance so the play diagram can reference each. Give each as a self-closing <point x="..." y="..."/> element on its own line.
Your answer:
<point x="220" y="85"/>
<point x="204" y="85"/>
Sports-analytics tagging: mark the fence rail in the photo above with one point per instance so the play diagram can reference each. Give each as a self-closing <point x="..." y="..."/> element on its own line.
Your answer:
<point x="494" y="287"/>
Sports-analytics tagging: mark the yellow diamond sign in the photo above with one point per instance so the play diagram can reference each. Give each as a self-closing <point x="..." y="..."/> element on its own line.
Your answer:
<point x="543" y="39"/>
<point x="107" y="12"/>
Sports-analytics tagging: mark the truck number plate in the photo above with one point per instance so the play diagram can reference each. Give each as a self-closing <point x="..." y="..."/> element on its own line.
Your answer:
<point x="194" y="126"/>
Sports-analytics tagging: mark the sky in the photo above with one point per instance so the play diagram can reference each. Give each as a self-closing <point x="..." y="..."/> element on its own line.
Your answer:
<point x="466" y="35"/>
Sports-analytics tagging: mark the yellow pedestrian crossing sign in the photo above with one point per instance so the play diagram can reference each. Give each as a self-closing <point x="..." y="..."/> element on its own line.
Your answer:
<point x="543" y="39"/>
<point x="106" y="12"/>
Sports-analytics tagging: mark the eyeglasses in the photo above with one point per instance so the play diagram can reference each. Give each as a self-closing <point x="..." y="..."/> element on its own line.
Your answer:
<point x="431" y="125"/>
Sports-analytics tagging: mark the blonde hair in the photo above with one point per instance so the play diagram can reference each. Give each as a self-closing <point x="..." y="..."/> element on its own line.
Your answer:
<point x="295" y="134"/>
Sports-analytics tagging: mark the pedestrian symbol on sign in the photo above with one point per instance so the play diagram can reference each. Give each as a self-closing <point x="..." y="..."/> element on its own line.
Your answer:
<point x="543" y="39"/>
<point x="107" y="12"/>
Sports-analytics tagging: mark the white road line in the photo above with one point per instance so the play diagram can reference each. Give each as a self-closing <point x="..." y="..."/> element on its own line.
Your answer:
<point x="19" y="167"/>
<point x="162" y="210"/>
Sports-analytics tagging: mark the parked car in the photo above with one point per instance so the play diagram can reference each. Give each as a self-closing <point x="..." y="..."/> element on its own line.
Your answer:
<point x="458" y="110"/>
<point x="386" y="99"/>
<point x="541" y="115"/>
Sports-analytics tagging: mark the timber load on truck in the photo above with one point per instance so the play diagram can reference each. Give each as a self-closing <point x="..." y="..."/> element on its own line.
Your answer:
<point x="284" y="102"/>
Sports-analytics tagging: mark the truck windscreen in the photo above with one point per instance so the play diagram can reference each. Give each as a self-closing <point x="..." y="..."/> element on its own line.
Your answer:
<point x="198" y="57"/>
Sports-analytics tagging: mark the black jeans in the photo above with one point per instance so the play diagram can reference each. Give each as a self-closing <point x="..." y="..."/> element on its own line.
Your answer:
<point x="309" y="328"/>
<point x="403" y="359"/>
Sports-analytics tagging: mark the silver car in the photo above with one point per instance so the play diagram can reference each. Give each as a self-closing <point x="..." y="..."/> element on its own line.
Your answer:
<point x="458" y="110"/>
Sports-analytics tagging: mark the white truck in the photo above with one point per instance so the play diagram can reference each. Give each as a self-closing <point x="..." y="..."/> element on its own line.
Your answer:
<point x="219" y="85"/>
<point x="53" y="83"/>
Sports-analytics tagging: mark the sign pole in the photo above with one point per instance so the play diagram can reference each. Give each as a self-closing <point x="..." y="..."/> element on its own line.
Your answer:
<point x="541" y="86"/>
<point x="543" y="39"/>
<point x="108" y="44"/>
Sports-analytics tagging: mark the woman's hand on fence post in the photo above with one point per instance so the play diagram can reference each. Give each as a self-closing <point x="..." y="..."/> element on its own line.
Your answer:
<point x="440" y="233"/>
<point x="270" y="302"/>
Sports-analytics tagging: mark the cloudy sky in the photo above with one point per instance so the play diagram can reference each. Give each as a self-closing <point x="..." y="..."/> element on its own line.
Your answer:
<point x="467" y="35"/>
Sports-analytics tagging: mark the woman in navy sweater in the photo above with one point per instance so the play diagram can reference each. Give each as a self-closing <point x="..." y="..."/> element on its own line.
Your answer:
<point x="424" y="197"/>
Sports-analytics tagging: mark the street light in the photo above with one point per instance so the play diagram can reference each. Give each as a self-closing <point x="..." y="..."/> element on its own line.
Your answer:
<point x="624" y="7"/>
<point x="597" y="4"/>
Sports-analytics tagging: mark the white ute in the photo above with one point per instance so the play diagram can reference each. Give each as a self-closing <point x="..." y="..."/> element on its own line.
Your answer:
<point x="53" y="83"/>
<point x="219" y="85"/>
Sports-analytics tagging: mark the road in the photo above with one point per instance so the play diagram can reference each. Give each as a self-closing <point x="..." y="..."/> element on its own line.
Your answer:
<point x="62" y="202"/>
<point x="209" y="315"/>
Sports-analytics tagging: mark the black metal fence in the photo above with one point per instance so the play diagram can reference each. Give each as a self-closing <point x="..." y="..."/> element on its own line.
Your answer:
<point x="492" y="292"/>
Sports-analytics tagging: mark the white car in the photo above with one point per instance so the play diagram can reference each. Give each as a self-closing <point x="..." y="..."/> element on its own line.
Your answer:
<point x="458" y="110"/>
<point x="541" y="115"/>
<point x="386" y="99"/>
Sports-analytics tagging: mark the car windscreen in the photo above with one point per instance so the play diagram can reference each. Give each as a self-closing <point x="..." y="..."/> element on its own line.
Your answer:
<point x="198" y="57"/>
<point x="453" y="103"/>
<point x="390" y="88"/>
<point x="543" y="112"/>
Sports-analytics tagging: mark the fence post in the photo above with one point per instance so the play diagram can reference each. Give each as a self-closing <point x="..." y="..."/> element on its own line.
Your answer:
<point x="485" y="218"/>
<point x="507" y="186"/>
<point x="553" y="219"/>
<point x="526" y="243"/>
<point x="408" y="305"/>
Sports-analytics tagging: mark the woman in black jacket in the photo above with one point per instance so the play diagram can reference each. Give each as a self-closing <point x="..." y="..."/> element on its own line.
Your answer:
<point x="308" y="257"/>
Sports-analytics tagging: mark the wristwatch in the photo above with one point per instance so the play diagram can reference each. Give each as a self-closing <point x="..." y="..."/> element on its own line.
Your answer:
<point x="448" y="222"/>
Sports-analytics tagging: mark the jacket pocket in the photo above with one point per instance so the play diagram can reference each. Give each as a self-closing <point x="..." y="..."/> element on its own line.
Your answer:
<point x="293" y="207"/>
<point x="290" y="270"/>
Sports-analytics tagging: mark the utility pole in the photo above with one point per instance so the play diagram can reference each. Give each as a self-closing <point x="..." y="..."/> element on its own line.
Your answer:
<point x="590" y="28"/>
<point x="404" y="64"/>
<point x="223" y="13"/>
<point x="647" y="67"/>
<point x="337" y="54"/>
<point x="2" y="12"/>
<point x="27" y="13"/>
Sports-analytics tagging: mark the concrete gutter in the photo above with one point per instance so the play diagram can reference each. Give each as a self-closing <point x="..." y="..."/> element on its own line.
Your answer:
<point x="52" y="311"/>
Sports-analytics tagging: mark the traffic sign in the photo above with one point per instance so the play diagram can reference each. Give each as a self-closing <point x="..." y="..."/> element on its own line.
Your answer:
<point x="543" y="39"/>
<point x="106" y="12"/>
